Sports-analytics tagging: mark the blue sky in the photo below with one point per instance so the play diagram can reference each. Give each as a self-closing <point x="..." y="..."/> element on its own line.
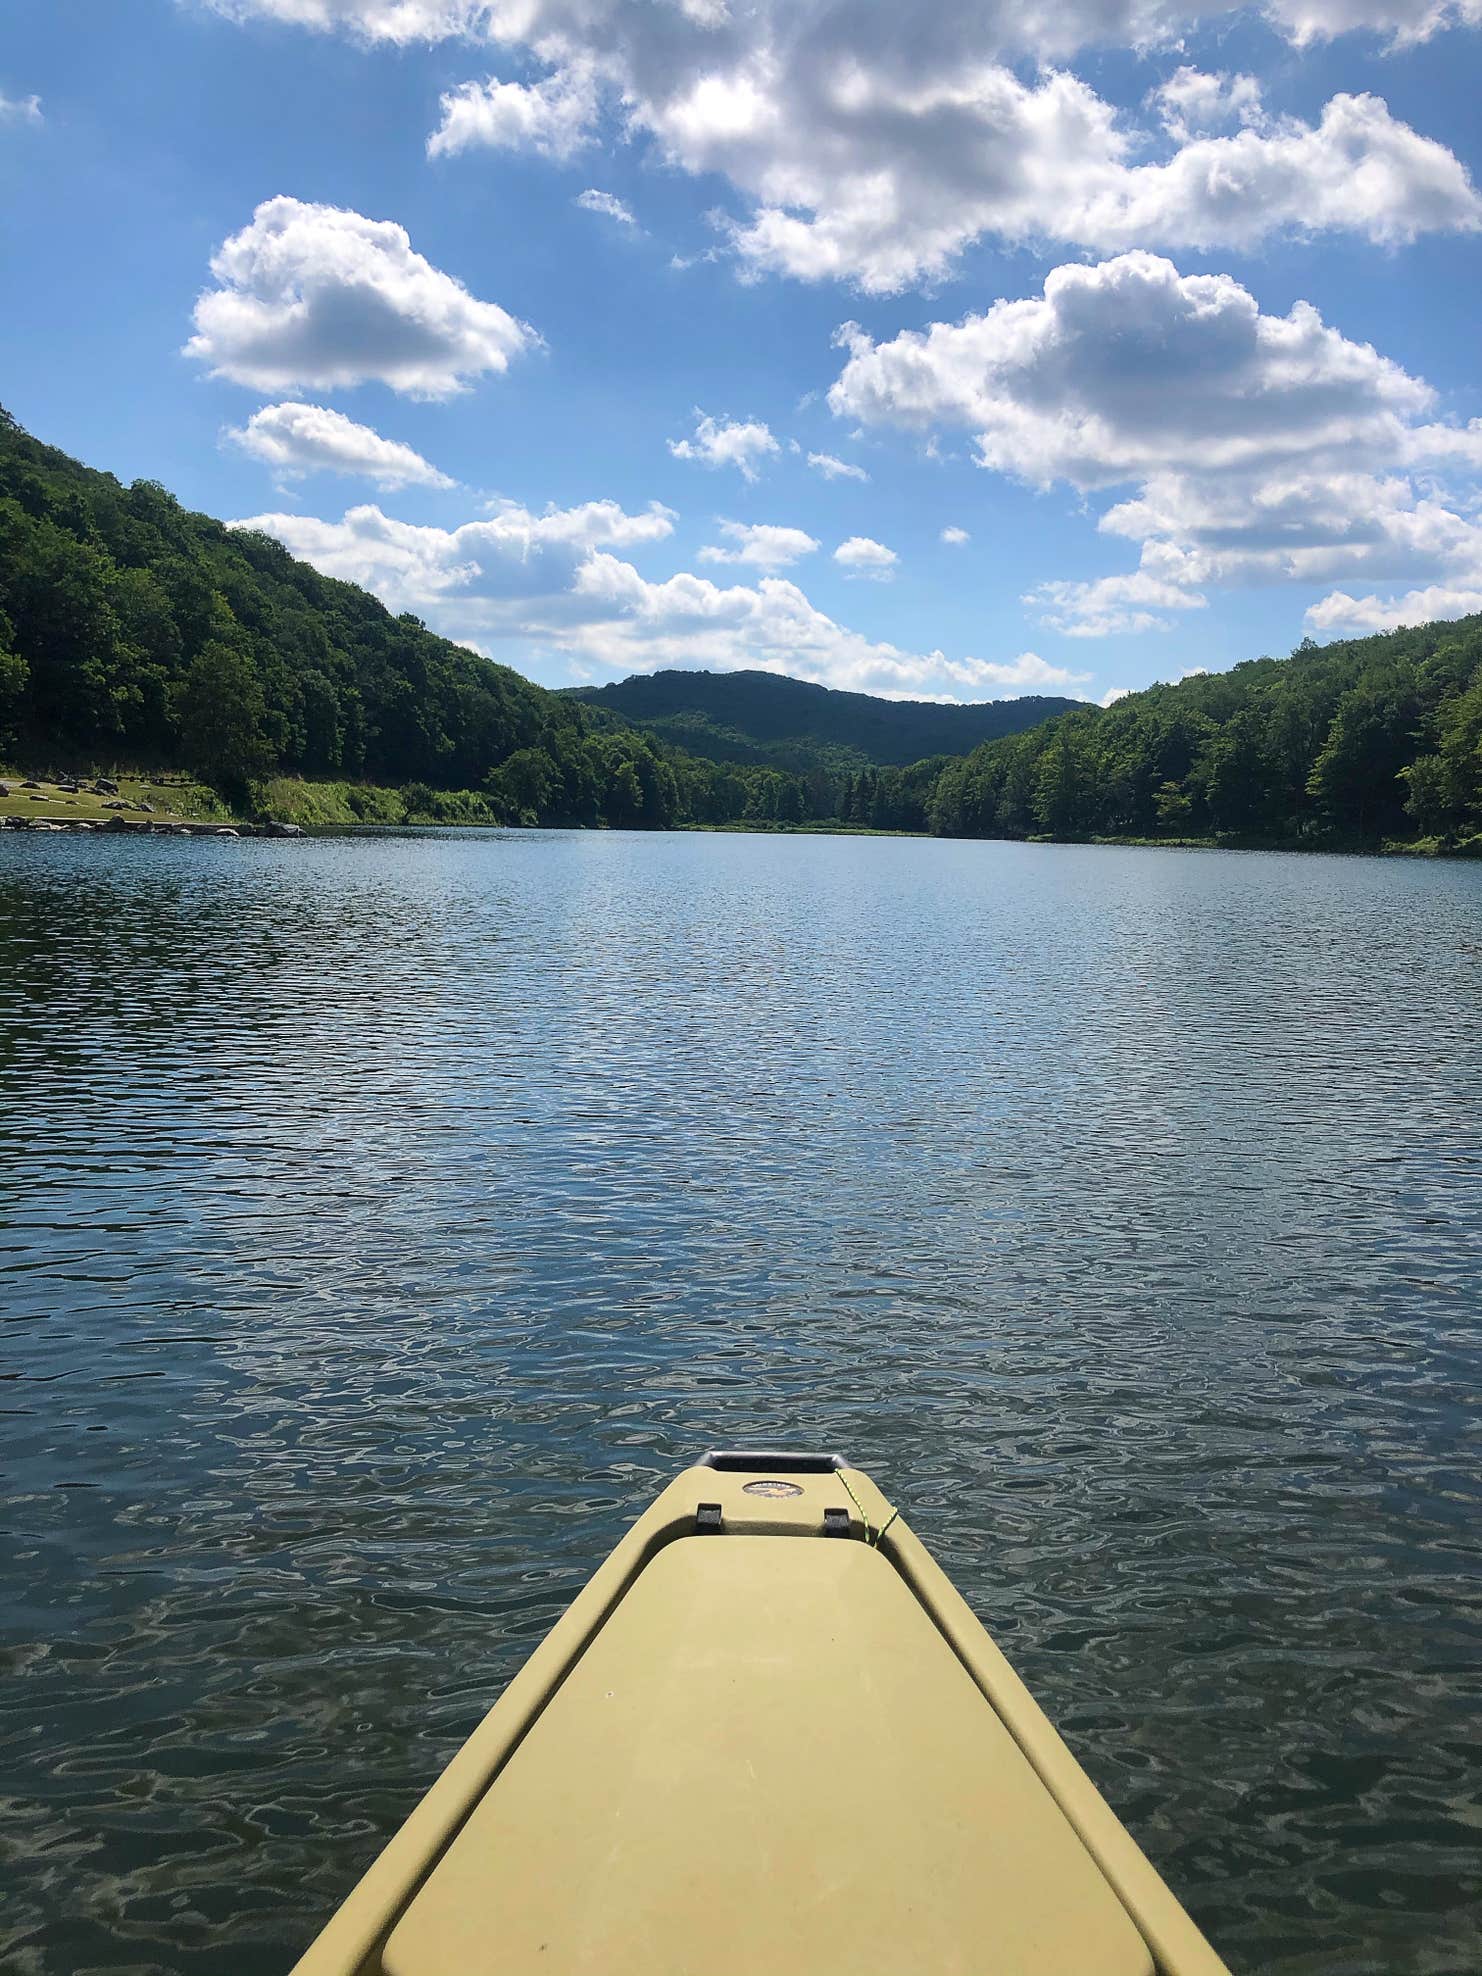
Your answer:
<point x="611" y="334"/>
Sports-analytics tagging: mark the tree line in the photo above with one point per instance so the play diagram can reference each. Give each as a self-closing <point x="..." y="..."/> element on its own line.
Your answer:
<point x="134" y="631"/>
<point x="1351" y="743"/>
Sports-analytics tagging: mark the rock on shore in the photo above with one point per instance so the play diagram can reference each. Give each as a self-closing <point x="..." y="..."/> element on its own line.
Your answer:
<point x="119" y="826"/>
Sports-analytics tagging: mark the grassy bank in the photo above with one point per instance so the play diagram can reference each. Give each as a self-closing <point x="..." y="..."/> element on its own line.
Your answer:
<point x="287" y="799"/>
<point x="164" y="795"/>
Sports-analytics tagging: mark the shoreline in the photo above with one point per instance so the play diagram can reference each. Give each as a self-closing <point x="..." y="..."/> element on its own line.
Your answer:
<point x="136" y="804"/>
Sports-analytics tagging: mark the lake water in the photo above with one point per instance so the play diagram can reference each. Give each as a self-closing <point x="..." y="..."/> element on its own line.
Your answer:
<point x="382" y="1220"/>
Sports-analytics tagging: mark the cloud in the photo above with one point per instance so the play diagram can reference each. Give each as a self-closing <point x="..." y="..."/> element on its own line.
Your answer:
<point x="554" y="118"/>
<point x="1406" y="22"/>
<point x="726" y="443"/>
<point x="297" y="439"/>
<point x="1129" y="368"/>
<point x="1340" y="612"/>
<point x="1050" y="160"/>
<point x="1114" y="693"/>
<point x="955" y="537"/>
<point x="688" y="620"/>
<point x="833" y="469"/>
<point x="1260" y="448"/>
<point x="1111" y="604"/>
<point x="964" y="27"/>
<point x="1296" y="527"/>
<point x="20" y="109"/>
<point x="592" y="201"/>
<point x="872" y="148"/>
<point x="551" y="585"/>
<point x="512" y="553"/>
<point x="1191" y="104"/>
<point x="762" y="544"/>
<point x="1243" y="530"/>
<point x="402" y="22"/>
<point x="320" y="297"/>
<point x="860" y="555"/>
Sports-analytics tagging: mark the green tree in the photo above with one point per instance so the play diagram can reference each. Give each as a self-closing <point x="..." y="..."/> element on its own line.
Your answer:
<point x="1062" y="788"/>
<point x="522" y="788"/>
<point x="220" y="709"/>
<point x="1356" y="777"/>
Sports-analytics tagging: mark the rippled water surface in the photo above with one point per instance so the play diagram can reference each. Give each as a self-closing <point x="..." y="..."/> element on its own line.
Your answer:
<point x="383" y="1220"/>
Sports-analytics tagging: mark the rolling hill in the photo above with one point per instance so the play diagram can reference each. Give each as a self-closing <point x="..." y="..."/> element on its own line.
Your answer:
<point x="763" y="717"/>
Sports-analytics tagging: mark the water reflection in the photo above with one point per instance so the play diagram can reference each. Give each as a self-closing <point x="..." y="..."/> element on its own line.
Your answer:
<point x="383" y="1220"/>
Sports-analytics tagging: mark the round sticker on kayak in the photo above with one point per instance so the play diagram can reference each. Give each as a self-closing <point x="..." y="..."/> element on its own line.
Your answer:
<point x="770" y="1488"/>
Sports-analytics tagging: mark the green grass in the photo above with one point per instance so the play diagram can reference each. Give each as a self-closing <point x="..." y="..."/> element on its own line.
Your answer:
<point x="323" y="805"/>
<point x="169" y="796"/>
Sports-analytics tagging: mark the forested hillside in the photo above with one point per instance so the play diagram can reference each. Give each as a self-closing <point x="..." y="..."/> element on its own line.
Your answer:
<point x="134" y="632"/>
<point x="1346" y="744"/>
<point x="792" y="724"/>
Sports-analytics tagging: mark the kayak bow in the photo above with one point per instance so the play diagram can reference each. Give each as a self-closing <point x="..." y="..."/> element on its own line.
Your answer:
<point x="736" y="1753"/>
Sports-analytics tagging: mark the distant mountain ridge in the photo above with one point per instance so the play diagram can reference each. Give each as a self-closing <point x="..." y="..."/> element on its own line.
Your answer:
<point x="764" y="717"/>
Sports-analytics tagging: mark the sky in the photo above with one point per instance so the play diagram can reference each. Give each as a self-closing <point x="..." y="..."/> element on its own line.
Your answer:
<point x="944" y="349"/>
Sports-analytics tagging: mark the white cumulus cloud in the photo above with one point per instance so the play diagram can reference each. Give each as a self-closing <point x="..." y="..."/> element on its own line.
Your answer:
<point x="1259" y="448"/>
<point x="1192" y="104"/>
<point x="742" y="444"/>
<point x="1359" y="615"/>
<point x="514" y="552"/>
<point x="861" y="555"/>
<point x="1404" y="22"/>
<point x="871" y="144"/>
<point x="553" y="118"/>
<point x="687" y="620"/>
<point x="319" y="297"/>
<point x="1049" y="159"/>
<point x="1129" y="367"/>
<point x="556" y="585"/>
<point x="763" y="545"/>
<point x="20" y="109"/>
<point x="1049" y="29"/>
<point x="955" y="537"/>
<point x="297" y="439"/>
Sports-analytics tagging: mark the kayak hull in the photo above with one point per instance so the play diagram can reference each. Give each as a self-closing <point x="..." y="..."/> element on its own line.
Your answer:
<point x="768" y="1732"/>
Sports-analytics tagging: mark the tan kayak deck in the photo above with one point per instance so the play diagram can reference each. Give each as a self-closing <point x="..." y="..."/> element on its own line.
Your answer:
<point x="764" y="1748"/>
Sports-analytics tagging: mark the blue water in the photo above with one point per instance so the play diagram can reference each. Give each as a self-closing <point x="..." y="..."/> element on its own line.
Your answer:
<point x="383" y="1219"/>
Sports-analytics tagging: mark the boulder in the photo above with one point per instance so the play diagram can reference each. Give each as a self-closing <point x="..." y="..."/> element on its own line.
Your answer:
<point x="274" y="829"/>
<point x="104" y="787"/>
<point x="29" y="784"/>
<point x="4" y="788"/>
